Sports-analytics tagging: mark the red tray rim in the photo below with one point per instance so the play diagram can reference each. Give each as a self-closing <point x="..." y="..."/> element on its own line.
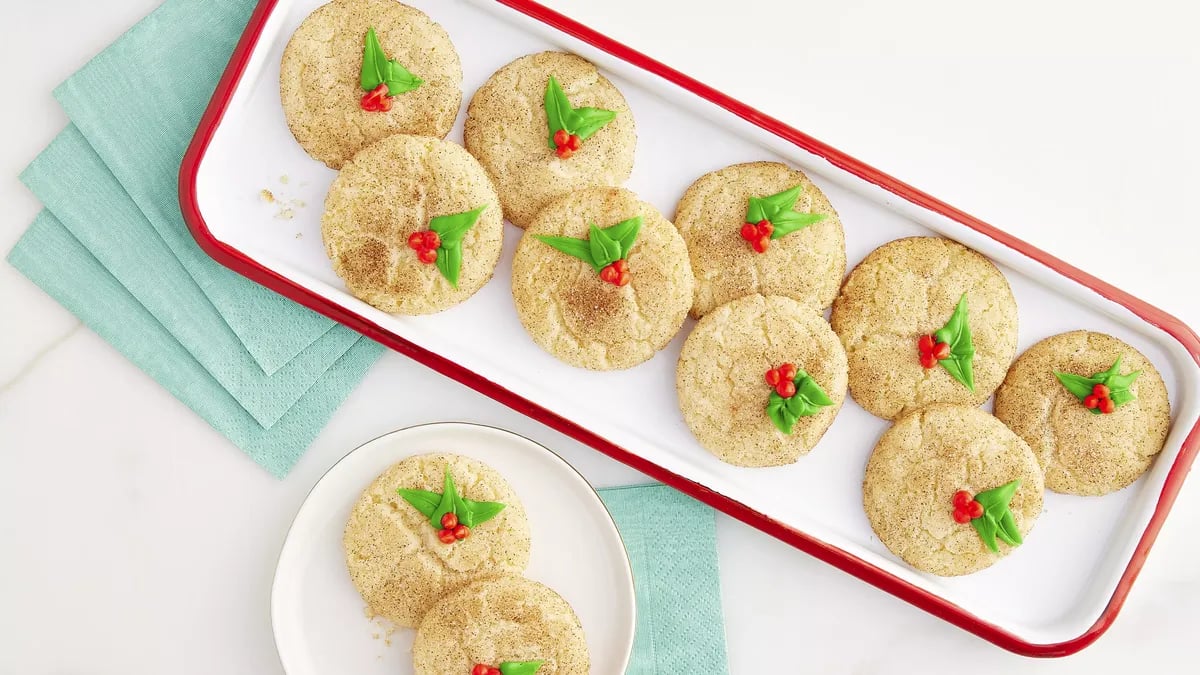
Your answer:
<point x="933" y="604"/>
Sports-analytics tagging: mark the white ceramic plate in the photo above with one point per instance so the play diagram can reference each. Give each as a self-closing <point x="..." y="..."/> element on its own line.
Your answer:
<point x="318" y="617"/>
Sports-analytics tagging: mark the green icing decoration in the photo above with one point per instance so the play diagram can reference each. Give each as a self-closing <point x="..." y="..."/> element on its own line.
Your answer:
<point x="520" y="667"/>
<point x="1118" y="385"/>
<point x="450" y="230"/>
<point x="604" y="245"/>
<point x="777" y="209"/>
<point x="808" y="400"/>
<point x="377" y="69"/>
<point x="997" y="521"/>
<point x="433" y="505"/>
<point x="957" y="334"/>
<point x="581" y="122"/>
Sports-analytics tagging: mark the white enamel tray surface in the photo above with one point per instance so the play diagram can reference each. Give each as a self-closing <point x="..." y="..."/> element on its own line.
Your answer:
<point x="318" y="617"/>
<point x="1051" y="589"/>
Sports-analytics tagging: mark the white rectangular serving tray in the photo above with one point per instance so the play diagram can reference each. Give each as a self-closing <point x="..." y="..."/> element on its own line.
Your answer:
<point x="1074" y="569"/>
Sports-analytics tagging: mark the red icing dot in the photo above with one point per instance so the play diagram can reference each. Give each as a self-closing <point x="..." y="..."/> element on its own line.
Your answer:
<point x="786" y="389"/>
<point x="462" y="532"/>
<point x="787" y="371"/>
<point x="561" y="137"/>
<point x="962" y="498"/>
<point x="928" y="360"/>
<point x="941" y="351"/>
<point x="974" y="509"/>
<point x="574" y="142"/>
<point x="449" y="521"/>
<point x="446" y="536"/>
<point x="1100" y="391"/>
<point x="1107" y="406"/>
<point x="925" y="344"/>
<point x="773" y="377"/>
<point x="480" y="669"/>
<point x="961" y="516"/>
<point x="428" y="256"/>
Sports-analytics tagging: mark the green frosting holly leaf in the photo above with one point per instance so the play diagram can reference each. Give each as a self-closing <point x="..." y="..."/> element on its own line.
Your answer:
<point x="604" y="245"/>
<point x="997" y="521"/>
<point x="1118" y="385"/>
<point x="450" y="230"/>
<point x="808" y="400"/>
<point x="957" y="334"/>
<point x="377" y="69"/>
<point x="433" y="505"/>
<point x="778" y="210"/>
<point x="581" y="122"/>
<point x="520" y="667"/>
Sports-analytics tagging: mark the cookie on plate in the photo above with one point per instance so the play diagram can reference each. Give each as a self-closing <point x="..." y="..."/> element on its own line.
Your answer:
<point x="760" y="379"/>
<point x="925" y="320"/>
<point x="1088" y="444"/>
<point x="513" y="125"/>
<point x="506" y="620"/>
<point x="950" y="490"/>
<point x="762" y="227"/>
<point x="336" y="62"/>
<point x="601" y="279"/>
<point x="403" y="557"/>
<point x="413" y="225"/>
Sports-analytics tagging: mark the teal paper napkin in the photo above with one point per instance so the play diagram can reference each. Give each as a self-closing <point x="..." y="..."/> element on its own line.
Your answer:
<point x="73" y="182"/>
<point x="680" y="628"/>
<point x="56" y="261"/>
<point x="138" y="108"/>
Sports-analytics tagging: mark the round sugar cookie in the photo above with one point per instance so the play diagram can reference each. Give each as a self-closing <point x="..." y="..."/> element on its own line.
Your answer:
<point x="507" y="130"/>
<point x="507" y="619"/>
<point x="392" y="189"/>
<point x="807" y="264"/>
<point x="395" y="558"/>
<point x="922" y="461"/>
<point x="1081" y="452"/>
<point x="320" y="78"/>
<point x="721" y="381"/>
<point x="571" y="312"/>
<point x="908" y="288"/>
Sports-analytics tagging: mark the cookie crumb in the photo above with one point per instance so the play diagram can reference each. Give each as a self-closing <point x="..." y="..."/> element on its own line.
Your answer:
<point x="285" y="213"/>
<point x="284" y="179"/>
<point x="299" y="235"/>
<point x="267" y="196"/>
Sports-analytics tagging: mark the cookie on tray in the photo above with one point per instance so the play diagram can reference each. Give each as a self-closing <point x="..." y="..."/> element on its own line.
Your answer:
<point x="765" y="228"/>
<point x="925" y="320"/>
<point x="601" y="279"/>
<point x="950" y="490"/>
<point x="546" y="125"/>
<point x="405" y="553"/>
<point x="356" y="71"/>
<point x="1093" y="408"/>
<point x="413" y="225"/>
<point x="504" y="625"/>
<point x="760" y="379"/>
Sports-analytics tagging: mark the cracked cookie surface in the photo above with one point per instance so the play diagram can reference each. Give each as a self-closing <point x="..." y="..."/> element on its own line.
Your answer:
<point x="503" y="619"/>
<point x="1083" y="453"/>
<point x="917" y="466"/>
<point x="506" y="129"/>
<point x="719" y="378"/>
<point x="392" y="189"/>
<point x="393" y="553"/>
<point x="584" y="321"/>
<point x="319" y="78"/>
<point x="806" y="265"/>
<point x="908" y="288"/>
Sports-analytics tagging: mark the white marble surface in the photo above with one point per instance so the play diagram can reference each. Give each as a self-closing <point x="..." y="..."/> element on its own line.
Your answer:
<point x="136" y="540"/>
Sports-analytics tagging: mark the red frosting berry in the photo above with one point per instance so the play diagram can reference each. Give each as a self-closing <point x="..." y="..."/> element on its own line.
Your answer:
<point x="446" y="536"/>
<point x="449" y="521"/>
<point x="1091" y="401"/>
<point x="1100" y="391"/>
<point x="564" y="152"/>
<point x="761" y="243"/>
<point x="974" y="509"/>
<point x="415" y="241"/>
<point x="616" y="273"/>
<point x="773" y="377"/>
<point x="566" y="144"/>
<point x="786" y="389"/>
<point x="494" y="671"/>
<point x="462" y="532"/>
<point x="574" y="142"/>
<point x="962" y="498"/>
<point x="787" y="371"/>
<point x="925" y="344"/>
<point x="961" y="516"/>
<point x="928" y="360"/>
<point x="561" y="137"/>
<point x="749" y="232"/>
<point x="480" y="669"/>
<point x="428" y="256"/>
<point x="758" y="235"/>
<point x="1107" y="405"/>
<point x="377" y="100"/>
<point x="941" y="351"/>
<point x="426" y="244"/>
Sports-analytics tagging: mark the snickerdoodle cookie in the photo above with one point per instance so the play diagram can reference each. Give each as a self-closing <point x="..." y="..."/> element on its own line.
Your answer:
<point x="398" y="551"/>
<point x="925" y="320"/>
<point x="950" y="490"/>
<point x="513" y="119"/>
<point x="340" y="56"/>
<point x="760" y="379"/>
<point x="506" y="620"/>
<point x="382" y="214"/>
<point x="1086" y="446"/>
<point x="601" y="279"/>
<point x="801" y="255"/>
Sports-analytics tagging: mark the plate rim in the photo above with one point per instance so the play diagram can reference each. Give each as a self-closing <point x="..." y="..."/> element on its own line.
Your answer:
<point x="932" y="603"/>
<point x="627" y="566"/>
